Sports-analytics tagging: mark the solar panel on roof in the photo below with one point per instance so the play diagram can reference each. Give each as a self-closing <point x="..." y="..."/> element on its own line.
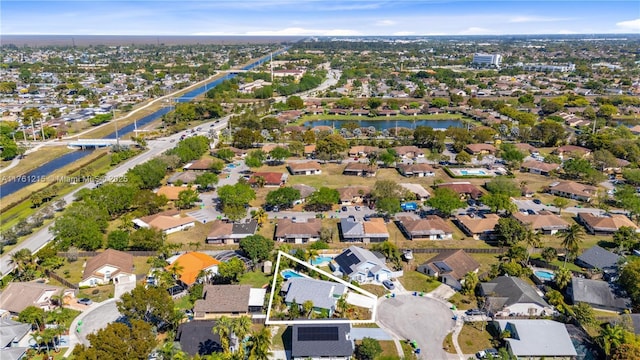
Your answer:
<point x="442" y="266"/>
<point x="323" y="333"/>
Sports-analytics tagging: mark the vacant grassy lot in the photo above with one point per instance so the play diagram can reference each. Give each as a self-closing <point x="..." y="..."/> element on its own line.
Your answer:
<point x="474" y="337"/>
<point x="415" y="281"/>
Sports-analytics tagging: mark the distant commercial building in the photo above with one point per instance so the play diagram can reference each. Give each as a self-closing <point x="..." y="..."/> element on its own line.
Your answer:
<point x="547" y="68"/>
<point x="487" y="60"/>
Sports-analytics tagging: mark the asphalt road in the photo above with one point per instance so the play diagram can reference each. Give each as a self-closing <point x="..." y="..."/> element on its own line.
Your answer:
<point x="425" y="320"/>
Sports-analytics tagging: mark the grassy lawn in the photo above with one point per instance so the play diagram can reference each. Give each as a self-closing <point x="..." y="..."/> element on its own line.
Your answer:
<point x="256" y="279"/>
<point x="447" y="344"/>
<point x="98" y="293"/>
<point x="463" y="302"/>
<point x="282" y="338"/>
<point x="474" y="337"/>
<point x="388" y="348"/>
<point x="407" y="349"/>
<point x="72" y="271"/>
<point x="415" y="281"/>
<point x="377" y="290"/>
<point x="183" y="303"/>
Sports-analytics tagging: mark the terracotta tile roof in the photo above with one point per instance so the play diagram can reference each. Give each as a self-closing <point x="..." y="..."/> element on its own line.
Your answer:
<point x="270" y="178"/>
<point x="478" y="224"/>
<point x="571" y="149"/>
<point x="220" y="229"/>
<point x="115" y="258"/>
<point x="349" y="192"/>
<point x="167" y="220"/>
<point x="539" y="165"/>
<point x="526" y="147"/>
<point x="476" y="148"/>
<point x="223" y="299"/>
<point x="431" y="225"/>
<point x="609" y="223"/>
<point x="202" y="164"/>
<point x="403" y="150"/>
<point x="171" y="192"/>
<point x="375" y="226"/>
<point x="463" y="188"/>
<point x="458" y="261"/>
<point x="308" y="149"/>
<point x="287" y="228"/>
<point x="572" y="187"/>
<point x="542" y="221"/>
<point x="192" y="263"/>
<point x="304" y="166"/>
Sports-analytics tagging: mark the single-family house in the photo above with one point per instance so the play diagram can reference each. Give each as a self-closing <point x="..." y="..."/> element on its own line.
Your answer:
<point x="353" y="194"/>
<point x="463" y="188"/>
<point x="573" y="190"/>
<point x="168" y="222"/>
<point x="598" y="294"/>
<point x="225" y="232"/>
<point x="304" y="168"/>
<point x="298" y="231"/>
<point x="183" y="177"/>
<point x="108" y="265"/>
<point x="362" y="266"/>
<point x="272" y="179"/>
<point x="418" y="170"/>
<point x="191" y="266"/>
<point x="305" y="192"/>
<point x="480" y="227"/>
<point x="323" y="294"/>
<point x="366" y="231"/>
<point x="450" y="267"/>
<point x="481" y="149"/>
<point x="430" y="228"/>
<point x="506" y="295"/>
<point x="606" y="223"/>
<point x="199" y="165"/>
<point x="172" y="192"/>
<point x="569" y="151"/>
<point x="418" y="190"/>
<point x="409" y="152"/>
<point x="16" y="296"/>
<point x="527" y="148"/>
<point x="538" y="167"/>
<point x="196" y="338"/>
<point x="360" y="169"/>
<point x="596" y="257"/>
<point x="13" y="339"/>
<point x="322" y="341"/>
<point x="635" y="130"/>
<point x="228" y="300"/>
<point x="362" y="150"/>
<point x="537" y="339"/>
<point x="544" y="222"/>
<point x="309" y="149"/>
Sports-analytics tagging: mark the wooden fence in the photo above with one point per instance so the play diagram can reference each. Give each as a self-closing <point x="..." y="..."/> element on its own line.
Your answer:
<point x="80" y="254"/>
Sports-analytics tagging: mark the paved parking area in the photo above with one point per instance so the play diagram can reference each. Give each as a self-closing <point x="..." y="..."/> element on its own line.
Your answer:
<point x="423" y="319"/>
<point x="530" y="205"/>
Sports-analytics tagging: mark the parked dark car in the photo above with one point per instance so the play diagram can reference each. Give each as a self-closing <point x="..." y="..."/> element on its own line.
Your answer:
<point x="473" y="312"/>
<point x="537" y="201"/>
<point x="388" y="284"/>
<point x="85" y="301"/>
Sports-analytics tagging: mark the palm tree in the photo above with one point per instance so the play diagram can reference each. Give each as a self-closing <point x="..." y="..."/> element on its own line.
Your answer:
<point x="532" y="239"/>
<point x="571" y="240"/>
<point x="176" y="270"/>
<point x="260" y="216"/>
<point x="562" y="277"/>
<point x="21" y="259"/>
<point x="240" y="327"/>
<point x="260" y="344"/>
<point x="195" y="244"/>
<point x="610" y="338"/>
<point x="223" y="329"/>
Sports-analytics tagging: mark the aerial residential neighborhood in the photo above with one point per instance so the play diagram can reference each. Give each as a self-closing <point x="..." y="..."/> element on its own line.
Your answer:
<point x="320" y="197"/>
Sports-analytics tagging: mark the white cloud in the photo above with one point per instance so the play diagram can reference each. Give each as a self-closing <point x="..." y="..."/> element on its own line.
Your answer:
<point x="633" y="25"/>
<point x="297" y="31"/>
<point x="475" y="31"/>
<point x="404" y="33"/>
<point x="385" y="22"/>
<point x="527" y="19"/>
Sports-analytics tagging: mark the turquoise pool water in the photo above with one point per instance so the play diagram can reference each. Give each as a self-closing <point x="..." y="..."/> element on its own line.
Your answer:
<point x="544" y="275"/>
<point x="473" y="172"/>
<point x="288" y="273"/>
<point x="321" y="260"/>
<point x="231" y="166"/>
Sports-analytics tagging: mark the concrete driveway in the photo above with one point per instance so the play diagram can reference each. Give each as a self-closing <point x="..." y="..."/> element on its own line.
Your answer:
<point x="423" y="319"/>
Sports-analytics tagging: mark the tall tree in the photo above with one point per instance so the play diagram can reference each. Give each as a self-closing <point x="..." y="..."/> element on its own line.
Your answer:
<point x="260" y="344"/>
<point x="571" y="240"/>
<point x="152" y="304"/>
<point x="257" y="247"/>
<point x="445" y="201"/>
<point x="117" y="342"/>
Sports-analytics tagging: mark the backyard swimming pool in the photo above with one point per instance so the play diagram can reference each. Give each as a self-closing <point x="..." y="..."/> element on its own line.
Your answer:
<point x="473" y="172"/>
<point x="544" y="275"/>
<point x="320" y="260"/>
<point x="288" y="274"/>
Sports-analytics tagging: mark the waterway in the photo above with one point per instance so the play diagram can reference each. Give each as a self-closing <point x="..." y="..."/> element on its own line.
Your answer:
<point x="41" y="173"/>
<point x="388" y="124"/>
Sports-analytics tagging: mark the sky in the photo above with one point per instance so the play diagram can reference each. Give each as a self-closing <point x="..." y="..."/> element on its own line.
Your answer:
<point x="317" y="17"/>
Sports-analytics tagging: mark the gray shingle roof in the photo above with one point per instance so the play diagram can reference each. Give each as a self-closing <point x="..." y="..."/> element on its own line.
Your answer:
<point x="351" y="259"/>
<point x="323" y="294"/>
<point x="351" y="228"/>
<point x="538" y="338"/>
<point x="10" y="330"/>
<point x="335" y="343"/>
<point x="506" y="291"/>
<point x="597" y="293"/>
<point x="598" y="257"/>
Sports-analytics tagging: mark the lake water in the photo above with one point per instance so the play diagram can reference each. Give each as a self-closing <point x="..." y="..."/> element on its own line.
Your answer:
<point x="41" y="172"/>
<point x="388" y="124"/>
